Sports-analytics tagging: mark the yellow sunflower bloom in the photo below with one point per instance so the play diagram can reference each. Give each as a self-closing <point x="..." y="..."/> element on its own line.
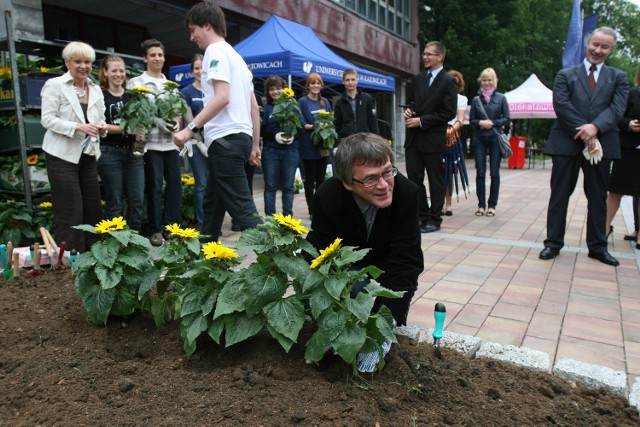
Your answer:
<point x="324" y="113"/>
<point x="32" y="160"/>
<point x="44" y="70"/>
<point x="173" y="229"/>
<point x="103" y="203"/>
<point x="109" y="225"/>
<point x="290" y="223"/>
<point x="215" y="250"/>
<point x="190" y="233"/>
<point x="185" y="178"/>
<point x="325" y="253"/>
<point x="5" y="72"/>
<point x="185" y="233"/>
<point x="171" y="84"/>
<point x="290" y="93"/>
<point x="46" y="205"/>
<point x="142" y="89"/>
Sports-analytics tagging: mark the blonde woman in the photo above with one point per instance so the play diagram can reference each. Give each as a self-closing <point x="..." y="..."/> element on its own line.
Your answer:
<point x="489" y="113"/>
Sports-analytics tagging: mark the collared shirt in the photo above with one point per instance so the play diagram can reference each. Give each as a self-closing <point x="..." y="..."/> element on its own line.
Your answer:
<point x="434" y="74"/>
<point x="596" y="73"/>
<point x="368" y="212"/>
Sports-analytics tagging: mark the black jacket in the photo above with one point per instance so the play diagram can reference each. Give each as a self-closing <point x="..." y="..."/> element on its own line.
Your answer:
<point x="395" y="239"/>
<point x="365" y="119"/>
<point x="630" y="139"/>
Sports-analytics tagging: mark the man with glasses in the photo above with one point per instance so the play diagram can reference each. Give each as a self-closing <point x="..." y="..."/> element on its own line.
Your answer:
<point x="368" y="204"/>
<point x="433" y="102"/>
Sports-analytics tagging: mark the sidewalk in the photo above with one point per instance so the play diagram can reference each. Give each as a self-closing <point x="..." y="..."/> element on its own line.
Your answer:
<point x="488" y="274"/>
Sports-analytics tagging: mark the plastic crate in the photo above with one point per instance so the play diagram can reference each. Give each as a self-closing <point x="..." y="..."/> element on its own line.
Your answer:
<point x="34" y="133"/>
<point x="30" y="88"/>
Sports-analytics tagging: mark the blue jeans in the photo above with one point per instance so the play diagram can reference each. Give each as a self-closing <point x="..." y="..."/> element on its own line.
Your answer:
<point x="163" y="167"/>
<point x="122" y="174"/>
<point x="279" y="169"/>
<point x="227" y="187"/>
<point x="482" y="146"/>
<point x="200" y="173"/>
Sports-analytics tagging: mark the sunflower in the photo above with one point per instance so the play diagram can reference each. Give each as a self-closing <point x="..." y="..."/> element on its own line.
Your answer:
<point x="142" y="89"/>
<point x="32" y="160"/>
<point x="185" y="233"/>
<point x="290" y="93"/>
<point x="103" y="203"/>
<point x="44" y="70"/>
<point x="324" y="113"/>
<point x="107" y="226"/>
<point x="290" y="223"/>
<point x="213" y="250"/>
<point x="46" y="205"/>
<point x="325" y="253"/>
<point x="188" y="180"/>
<point x="170" y="84"/>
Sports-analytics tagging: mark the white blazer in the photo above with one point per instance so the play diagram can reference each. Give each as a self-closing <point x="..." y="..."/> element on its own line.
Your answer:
<point x="61" y="112"/>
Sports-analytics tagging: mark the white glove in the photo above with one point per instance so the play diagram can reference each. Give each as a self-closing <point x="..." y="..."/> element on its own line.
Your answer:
<point x="91" y="146"/>
<point x="368" y="362"/>
<point x="188" y="148"/>
<point x="594" y="156"/>
<point x="165" y="126"/>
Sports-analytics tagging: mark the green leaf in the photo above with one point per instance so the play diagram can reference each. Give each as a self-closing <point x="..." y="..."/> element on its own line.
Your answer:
<point x="191" y="300"/>
<point x="231" y="298"/>
<point x="285" y="342"/>
<point x="188" y="345"/>
<point x="122" y="236"/>
<point x="296" y="267"/>
<point x="313" y="279"/>
<point x="210" y="301"/>
<point x="331" y="323"/>
<point x="124" y="303"/>
<point x="138" y="240"/>
<point x="348" y="256"/>
<point x="240" y="326"/>
<point x="316" y="347"/>
<point x="85" y="260"/>
<point x="376" y="290"/>
<point x="334" y="285"/>
<point x="320" y="300"/>
<point x="193" y="245"/>
<point x="349" y="342"/>
<point x="161" y="309"/>
<point x="109" y="277"/>
<point x="86" y="227"/>
<point x="360" y="306"/>
<point x="134" y="257"/>
<point x="148" y="280"/>
<point x="193" y="325"/>
<point x="254" y="240"/>
<point x="261" y="287"/>
<point x="96" y="301"/>
<point x="286" y="316"/>
<point x="216" y="326"/>
<point x="106" y="252"/>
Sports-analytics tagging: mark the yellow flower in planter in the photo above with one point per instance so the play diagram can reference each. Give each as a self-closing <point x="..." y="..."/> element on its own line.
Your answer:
<point x="324" y="131"/>
<point x="287" y="112"/>
<point x="290" y="223"/>
<point x="44" y="70"/>
<point x="215" y="250"/>
<point x="46" y="205"/>
<point x="287" y="91"/>
<point x="188" y="179"/>
<point x="142" y="89"/>
<point x="325" y="253"/>
<point x="32" y="160"/>
<point x="185" y="233"/>
<point x="107" y="226"/>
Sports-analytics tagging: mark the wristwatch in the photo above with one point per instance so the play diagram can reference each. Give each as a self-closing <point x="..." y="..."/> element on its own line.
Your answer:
<point x="193" y="128"/>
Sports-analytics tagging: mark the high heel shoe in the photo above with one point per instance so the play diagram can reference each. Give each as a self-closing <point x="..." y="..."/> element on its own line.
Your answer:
<point x="610" y="231"/>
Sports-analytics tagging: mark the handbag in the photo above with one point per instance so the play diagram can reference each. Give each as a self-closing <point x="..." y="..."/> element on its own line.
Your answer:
<point x="503" y="140"/>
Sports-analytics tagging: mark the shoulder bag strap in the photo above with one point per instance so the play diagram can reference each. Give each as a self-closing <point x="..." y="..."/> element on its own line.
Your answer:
<point x="486" y="115"/>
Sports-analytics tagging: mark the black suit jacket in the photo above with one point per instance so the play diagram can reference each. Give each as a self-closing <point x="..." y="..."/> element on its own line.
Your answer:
<point x="435" y="107"/>
<point x="395" y="239"/>
<point x="630" y="139"/>
<point x="575" y="106"/>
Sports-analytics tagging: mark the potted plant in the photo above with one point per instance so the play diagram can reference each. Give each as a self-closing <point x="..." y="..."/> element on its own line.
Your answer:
<point x="324" y="132"/>
<point x="137" y="116"/>
<point x="287" y="114"/>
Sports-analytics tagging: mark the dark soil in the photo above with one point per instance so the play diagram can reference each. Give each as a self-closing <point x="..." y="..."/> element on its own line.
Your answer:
<point x="58" y="369"/>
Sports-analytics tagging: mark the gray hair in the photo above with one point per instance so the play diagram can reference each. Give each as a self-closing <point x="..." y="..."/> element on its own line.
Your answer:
<point x="78" y="50"/>
<point x="360" y="149"/>
<point x="608" y="31"/>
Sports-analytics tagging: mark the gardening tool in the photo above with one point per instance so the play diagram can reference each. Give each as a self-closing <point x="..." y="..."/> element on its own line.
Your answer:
<point x="7" y="274"/>
<point x="16" y="264"/>
<point x="63" y="246"/>
<point x="10" y="258"/>
<point x="47" y="245"/>
<point x="73" y="254"/>
<point x="54" y="246"/>
<point x="439" y="313"/>
<point x="35" y="271"/>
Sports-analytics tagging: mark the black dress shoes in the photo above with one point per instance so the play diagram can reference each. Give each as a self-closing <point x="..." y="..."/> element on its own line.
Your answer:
<point x="429" y="228"/>
<point x="605" y="258"/>
<point x="549" y="253"/>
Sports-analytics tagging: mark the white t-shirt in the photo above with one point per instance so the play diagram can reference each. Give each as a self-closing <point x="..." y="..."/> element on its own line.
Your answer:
<point x="462" y="105"/>
<point x="222" y="62"/>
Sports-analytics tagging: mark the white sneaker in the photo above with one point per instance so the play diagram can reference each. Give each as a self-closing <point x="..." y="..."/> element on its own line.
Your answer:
<point x="156" y="239"/>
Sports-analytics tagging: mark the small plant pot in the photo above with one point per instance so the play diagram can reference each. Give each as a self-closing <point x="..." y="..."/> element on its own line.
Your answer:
<point x="284" y="139"/>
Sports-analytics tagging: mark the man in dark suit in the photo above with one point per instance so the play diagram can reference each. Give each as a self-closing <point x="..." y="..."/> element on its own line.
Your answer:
<point x="588" y="99"/>
<point x="368" y="204"/>
<point x="433" y="104"/>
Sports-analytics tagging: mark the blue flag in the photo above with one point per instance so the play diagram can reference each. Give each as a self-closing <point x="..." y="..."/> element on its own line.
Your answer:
<point x="573" y="46"/>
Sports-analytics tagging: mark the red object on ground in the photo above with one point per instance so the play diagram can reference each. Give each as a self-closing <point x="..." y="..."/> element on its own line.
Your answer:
<point x="519" y="148"/>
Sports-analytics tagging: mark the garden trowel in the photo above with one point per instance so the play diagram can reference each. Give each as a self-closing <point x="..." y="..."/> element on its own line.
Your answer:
<point x="440" y="312"/>
<point x="7" y="273"/>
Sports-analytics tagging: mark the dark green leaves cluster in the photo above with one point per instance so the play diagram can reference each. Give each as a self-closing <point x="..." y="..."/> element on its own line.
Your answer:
<point x="16" y="222"/>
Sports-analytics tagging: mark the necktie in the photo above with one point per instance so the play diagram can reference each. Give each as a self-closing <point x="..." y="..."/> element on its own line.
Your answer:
<point x="592" y="79"/>
<point x="428" y="83"/>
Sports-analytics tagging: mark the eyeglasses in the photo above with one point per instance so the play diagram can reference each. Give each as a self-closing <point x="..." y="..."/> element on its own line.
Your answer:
<point x="370" y="181"/>
<point x="430" y="54"/>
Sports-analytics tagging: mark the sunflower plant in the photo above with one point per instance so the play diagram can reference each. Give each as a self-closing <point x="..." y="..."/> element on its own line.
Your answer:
<point x="114" y="277"/>
<point x="287" y="112"/>
<point x="170" y="102"/>
<point x="173" y="258"/>
<point x="138" y="112"/>
<point x="324" y="131"/>
<point x="199" y="296"/>
<point x="188" y="207"/>
<point x="43" y="216"/>
<point x="16" y="222"/>
<point x="345" y="322"/>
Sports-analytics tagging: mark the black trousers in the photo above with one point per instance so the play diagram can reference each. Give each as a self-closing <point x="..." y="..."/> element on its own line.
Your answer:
<point x="75" y="195"/>
<point x="564" y="177"/>
<point x="417" y="163"/>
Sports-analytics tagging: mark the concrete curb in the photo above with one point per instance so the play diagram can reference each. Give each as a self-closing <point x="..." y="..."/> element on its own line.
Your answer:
<point x="593" y="376"/>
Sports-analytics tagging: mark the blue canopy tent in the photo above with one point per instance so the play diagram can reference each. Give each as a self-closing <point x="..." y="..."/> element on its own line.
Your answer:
<point x="283" y="47"/>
